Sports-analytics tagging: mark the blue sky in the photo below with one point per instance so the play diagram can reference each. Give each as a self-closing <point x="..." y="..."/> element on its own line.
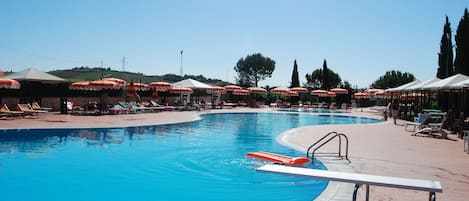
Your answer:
<point x="360" y="39"/>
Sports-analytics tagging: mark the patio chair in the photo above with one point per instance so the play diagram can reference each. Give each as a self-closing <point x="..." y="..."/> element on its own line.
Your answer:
<point x="6" y="112"/>
<point x="36" y="106"/>
<point x="423" y="118"/>
<point x="432" y="128"/>
<point x="27" y="109"/>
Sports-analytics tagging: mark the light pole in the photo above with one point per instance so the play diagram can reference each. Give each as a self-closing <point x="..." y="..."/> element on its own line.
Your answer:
<point x="180" y="71"/>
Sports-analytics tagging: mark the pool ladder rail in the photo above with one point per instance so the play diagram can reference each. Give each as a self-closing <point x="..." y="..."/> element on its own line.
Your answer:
<point x="311" y="151"/>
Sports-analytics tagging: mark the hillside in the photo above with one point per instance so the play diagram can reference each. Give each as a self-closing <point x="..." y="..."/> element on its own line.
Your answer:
<point x="87" y="73"/>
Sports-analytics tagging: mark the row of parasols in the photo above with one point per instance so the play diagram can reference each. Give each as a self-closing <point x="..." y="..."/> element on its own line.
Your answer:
<point x="115" y="83"/>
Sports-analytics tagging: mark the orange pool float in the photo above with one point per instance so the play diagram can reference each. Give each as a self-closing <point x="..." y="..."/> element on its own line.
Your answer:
<point x="279" y="159"/>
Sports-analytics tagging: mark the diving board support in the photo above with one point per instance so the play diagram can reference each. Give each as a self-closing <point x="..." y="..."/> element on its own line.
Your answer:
<point x="359" y="179"/>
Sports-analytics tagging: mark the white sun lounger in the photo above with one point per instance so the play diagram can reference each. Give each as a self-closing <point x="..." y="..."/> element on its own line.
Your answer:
<point x="358" y="179"/>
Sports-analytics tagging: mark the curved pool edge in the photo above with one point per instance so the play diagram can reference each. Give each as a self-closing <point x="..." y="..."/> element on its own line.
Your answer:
<point x="334" y="191"/>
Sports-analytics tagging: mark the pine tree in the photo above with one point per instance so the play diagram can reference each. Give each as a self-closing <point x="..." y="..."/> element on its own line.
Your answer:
<point x="295" y="81"/>
<point x="461" y="62"/>
<point x="445" y="57"/>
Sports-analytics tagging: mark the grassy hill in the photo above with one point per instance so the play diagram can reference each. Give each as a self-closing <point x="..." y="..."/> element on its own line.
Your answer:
<point x="88" y="74"/>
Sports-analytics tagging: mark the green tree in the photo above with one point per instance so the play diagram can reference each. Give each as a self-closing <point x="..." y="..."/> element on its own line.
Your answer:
<point x="445" y="57"/>
<point x="323" y="78"/>
<point x="295" y="81"/>
<point x="461" y="62"/>
<point x="253" y="69"/>
<point x="392" y="79"/>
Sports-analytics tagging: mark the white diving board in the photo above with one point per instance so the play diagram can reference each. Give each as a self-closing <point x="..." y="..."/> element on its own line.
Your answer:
<point x="392" y="182"/>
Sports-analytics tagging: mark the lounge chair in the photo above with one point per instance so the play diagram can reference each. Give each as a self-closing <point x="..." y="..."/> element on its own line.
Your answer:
<point x="423" y="118"/>
<point x="5" y="112"/>
<point x="432" y="128"/>
<point x="36" y="106"/>
<point x="27" y="109"/>
<point x="117" y="109"/>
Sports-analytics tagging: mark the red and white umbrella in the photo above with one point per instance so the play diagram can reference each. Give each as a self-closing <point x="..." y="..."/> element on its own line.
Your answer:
<point x="117" y="80"/>
<point x="299" y="89"/>
<point x="180" y="90"/>
<point x="82" y="85"/>
<point x="216" y="90"/>
<point x="319" y="92"/>
<point x="257" y="90"/>
<point x="293" y="93"/>
<point x="137" y="87"/>
<point x="9" y="83"/>
<point x="339" y="91"/>
<point x="361" y="95"/>
<point x="331" y="94"/>
<point x="241" y="92"/>
<point x="160" y="86"/>
<point x="280" y="90"/>
<point x="232" y="87"/>
<point x="104" y="84"/>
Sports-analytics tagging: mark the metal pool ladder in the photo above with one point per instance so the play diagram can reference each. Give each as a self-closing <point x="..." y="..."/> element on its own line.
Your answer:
<point x="326" y="139"/>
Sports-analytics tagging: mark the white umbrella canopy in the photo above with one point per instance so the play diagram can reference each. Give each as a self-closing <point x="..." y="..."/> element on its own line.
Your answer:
<point x="460" y="85"/>
<point x="193" y="84"/>
<point x="404" y="86"/>
<point x="32" y="74"/>
<point x="419" y="86"/>
<point x="446" y="83"/>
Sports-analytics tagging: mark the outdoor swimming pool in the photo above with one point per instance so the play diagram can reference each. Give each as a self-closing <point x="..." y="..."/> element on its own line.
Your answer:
<point x="200" y="160"/>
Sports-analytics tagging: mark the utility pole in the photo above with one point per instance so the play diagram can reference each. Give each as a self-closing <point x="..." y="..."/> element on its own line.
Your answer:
<point x="180" y="70"/>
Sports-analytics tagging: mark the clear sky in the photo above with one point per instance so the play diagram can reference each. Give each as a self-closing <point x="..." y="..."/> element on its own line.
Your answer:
<point x="360" y="39"/>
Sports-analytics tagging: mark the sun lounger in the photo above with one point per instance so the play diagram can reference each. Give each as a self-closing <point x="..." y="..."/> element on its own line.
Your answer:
<point x="5" y="112"/>
<point x="27" y="109"/>
<point x="422" y="119"/>
<point x="36" y="106"/>
<point x="431" y="130"/>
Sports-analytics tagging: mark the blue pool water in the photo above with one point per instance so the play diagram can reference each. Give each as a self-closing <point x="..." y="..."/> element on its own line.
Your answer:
<point x="200" y="160"/>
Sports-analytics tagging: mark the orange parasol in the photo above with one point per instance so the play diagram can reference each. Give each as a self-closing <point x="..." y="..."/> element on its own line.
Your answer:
<point x="104" y="84"/>
<point x="9" y="83"/>
<point x="319" y="92"/>
<point x="241" y="92"/>
<point x="232" y="87"/>
<point x="293" y="93"/>
<point x="339" y="91"/>
<point x="216" y="90"/>
<point x="160" y="86"/>
<point x="82" y="85"/>
<point x="299" y="89"/>
<point x="280" y="90"/>
<point x="257" y="90"/>
<point x="180" y="90"/>
<point x="117" y="80"/>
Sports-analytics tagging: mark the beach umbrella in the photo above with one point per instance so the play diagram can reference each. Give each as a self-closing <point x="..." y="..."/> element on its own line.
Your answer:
<point x="137" y="87"/>
<point x="331" y="94"/>
<point x="361" y="95"/>
<point x="280" y="90"/>
<point x="160" y="86"/>
<point x="9" y="83"/>
<point x="293" y="93"/>
<point x="117" y="80"/>
<point x="319" y="92"/>
<point x="216" y="90"/>
<point x="256" y="90"/>
<point x="82" y="85"/>
<point x="104" y="84"/>
<point x="299" y="89"/>
<point x="180" y="90"/>
<point x="339" y="91"/>
<point x="241" y="92"/>
<point x="231" y="87"/>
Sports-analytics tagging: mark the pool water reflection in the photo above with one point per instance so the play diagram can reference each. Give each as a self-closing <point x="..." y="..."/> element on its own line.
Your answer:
<point x="200" y="160"/>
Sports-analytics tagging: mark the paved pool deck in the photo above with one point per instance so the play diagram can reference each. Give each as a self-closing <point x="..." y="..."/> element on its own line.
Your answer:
<point x="379" y="149"/>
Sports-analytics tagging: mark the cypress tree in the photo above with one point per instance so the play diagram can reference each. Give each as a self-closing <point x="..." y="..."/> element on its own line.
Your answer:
<point x="295" y="81"/>
<point x="461" y="62"/>
<point x="445" y="57"/>
<point x="325" y="78"/>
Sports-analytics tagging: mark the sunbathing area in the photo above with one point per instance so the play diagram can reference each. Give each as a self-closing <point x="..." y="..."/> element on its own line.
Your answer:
<point x="419" y="157"/>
